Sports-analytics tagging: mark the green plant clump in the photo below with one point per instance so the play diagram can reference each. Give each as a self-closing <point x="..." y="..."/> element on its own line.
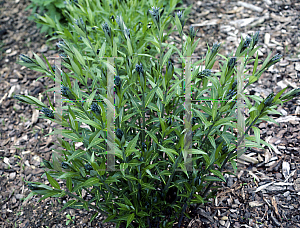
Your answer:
<point x="152" y="139"/>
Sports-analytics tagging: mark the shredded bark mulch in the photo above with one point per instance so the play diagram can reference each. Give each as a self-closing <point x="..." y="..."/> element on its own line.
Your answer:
<point x="264" y="193"/>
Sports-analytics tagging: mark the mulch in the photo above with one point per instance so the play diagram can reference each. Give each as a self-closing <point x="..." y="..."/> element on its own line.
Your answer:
<point x="264" y="193"/>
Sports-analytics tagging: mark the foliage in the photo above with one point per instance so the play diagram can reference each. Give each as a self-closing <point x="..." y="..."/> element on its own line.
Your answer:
<point x="53" y="8"/>
<point x="145" y="189"/>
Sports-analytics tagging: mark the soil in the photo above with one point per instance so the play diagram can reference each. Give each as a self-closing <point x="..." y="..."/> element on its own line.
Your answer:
<point x="264" y="193"/>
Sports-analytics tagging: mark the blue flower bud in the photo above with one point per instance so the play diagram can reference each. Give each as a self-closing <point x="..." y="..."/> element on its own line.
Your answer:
<point x="139" y="68"/>
<point x="234" y="85"/>
<point x="88" y="167"/>
<point x="119" y="133"/>
<point x="247" y="42"/>
<point x="155" y="13"/>
<point x="117" y="81"/>
<point x="181" y="18"/>
<point x="268" y="101"/>
<point x="106" y="29"/>
<point x="95" y="108"/>
<point x="65" y="91"/>
<point x="65" y="165"/>
<point x="26" y="59"/>
<point x="48" y="112"/>
<point x="169" y="121"/>
<point x="47" y="164"/>
<point x="206" y="73"/>
<point x="215" y="48"/>
<point x="192" y="33"/>
<point x="33" y="186"/>
<point x="232" y="62"/>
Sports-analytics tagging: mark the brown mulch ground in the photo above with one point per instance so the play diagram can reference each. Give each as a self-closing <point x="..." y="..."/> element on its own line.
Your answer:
<point x="261" y="195"/>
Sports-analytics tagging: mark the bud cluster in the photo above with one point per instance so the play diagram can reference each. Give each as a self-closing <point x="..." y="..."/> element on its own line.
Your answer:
<point x="206" y="73"/>
<point x="155" y="14"/>
<point x="181" y="18"/>
<point x="95" y="108"/>
<point x="119" y="133"/>
<point x="139" y="68"/>
<point x="48" y="112"/>
<point x="118" y="81"/>
<point x="26" y="59"/>
<point x="268" y="101"/>
<point x="106" y="29"/>
<point x="88" y="167"/>
<point x="65" y="90"/>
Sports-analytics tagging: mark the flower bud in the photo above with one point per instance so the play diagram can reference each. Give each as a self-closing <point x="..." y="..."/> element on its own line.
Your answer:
<point x="65" y="165"/>
<point x="88" y="167"/>
<point x="268" y="101"/>
<point x="247" y="42"/>
<point x="48" y="112"/>
<point x="234" y="85"/>
<point x="276" y="58"/>
<point x="119" y="133"/>
<point x="26" y="59"/>
<point x="47" y="164"/>
<point x="231" y="93"/>
<point x="95" y="108"/>
<point x="192" y="33"/>
<point x="106" y="29"/>
<point x="215" y="48"/>
<point x="181" y="18"/>
<point x="169" y="121"/>
<point x="155" y="14"/>
<point x="33" y="186"/>
<point x="231" y="62"/>
<point x="118" y="81"/>
<point x="204" y="73"/>
<point x="139" y="68"/>
<point x="65" y="91"/>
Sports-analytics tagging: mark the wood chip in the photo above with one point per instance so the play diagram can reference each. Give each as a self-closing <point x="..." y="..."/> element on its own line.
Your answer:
<point x="208" y="22"/>
<point x="250" y="6"/>
<point x="256" y="204"/>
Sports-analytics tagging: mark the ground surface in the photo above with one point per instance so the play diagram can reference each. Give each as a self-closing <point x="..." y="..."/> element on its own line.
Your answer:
<point x="261" y="195"/>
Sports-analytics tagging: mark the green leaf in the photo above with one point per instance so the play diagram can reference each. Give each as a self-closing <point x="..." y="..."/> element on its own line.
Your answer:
<point x="91" y="123"/>
<point x="69" y="183"/>
<point x="90" y="182"/>
<point x="123" y="167"/>
<point x="68" y="204"/>
<point x="76" y="154"/>
<point x="150" y="97"/>
<point x="218" y="173"/>
<point x="52" y="181"/>
<point x="160" y="94"/>
<point x="40" y="61"/>
<point x="152" y="136"/>
<point x="79" y="56"/>
<point x="212" y="179"/>
<point x="130" y="218"/>
<point x="132" y="144"/>
<point x="256" y="133"/>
